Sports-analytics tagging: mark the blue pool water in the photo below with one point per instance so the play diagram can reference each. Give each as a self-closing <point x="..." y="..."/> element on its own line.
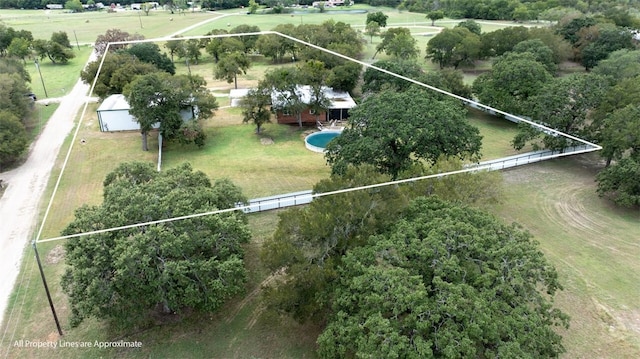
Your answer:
<point x="318" y="141"/>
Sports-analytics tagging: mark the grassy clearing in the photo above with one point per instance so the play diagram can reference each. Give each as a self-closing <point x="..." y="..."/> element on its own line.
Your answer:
<point x="594" y="246"/>
<point x="87" y="26"/>
<point x="496" y="133"/>
<point x="58" y="79"/>
<point x="235" y="151"/>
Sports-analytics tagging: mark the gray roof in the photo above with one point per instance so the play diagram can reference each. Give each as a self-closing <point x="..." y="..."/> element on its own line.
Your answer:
<point x="339" y="99"/>
<point x="114" y="103"/>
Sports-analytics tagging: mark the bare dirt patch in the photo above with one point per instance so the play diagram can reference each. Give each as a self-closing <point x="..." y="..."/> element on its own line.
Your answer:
<point x="266" y="141"/>
<point x="55" y="255"/>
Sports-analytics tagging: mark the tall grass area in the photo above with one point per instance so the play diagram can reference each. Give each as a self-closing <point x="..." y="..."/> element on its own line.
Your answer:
<point x="594" y="246"/>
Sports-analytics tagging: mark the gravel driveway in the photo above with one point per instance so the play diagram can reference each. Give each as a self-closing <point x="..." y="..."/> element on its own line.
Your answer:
<point x="25" y="186"/>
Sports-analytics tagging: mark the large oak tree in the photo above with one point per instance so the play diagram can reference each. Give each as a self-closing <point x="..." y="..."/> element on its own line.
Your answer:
<point x="158" y="97"/>
<point x="445" y="281"/>
<point x="393" y="131"/>
<point x="126" y="275"/>
<point x="513" y="79"/>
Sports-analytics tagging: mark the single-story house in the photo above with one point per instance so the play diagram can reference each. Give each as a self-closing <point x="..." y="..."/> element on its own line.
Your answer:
<point x="113" y="115"/>
<point x="341" y="102"/>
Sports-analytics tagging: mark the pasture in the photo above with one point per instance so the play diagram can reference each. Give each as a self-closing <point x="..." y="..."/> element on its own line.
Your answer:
<point x="593" y="245"/>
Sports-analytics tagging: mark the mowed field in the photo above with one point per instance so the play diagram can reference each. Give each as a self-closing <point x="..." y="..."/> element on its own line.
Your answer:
<point x="593" y="245"/>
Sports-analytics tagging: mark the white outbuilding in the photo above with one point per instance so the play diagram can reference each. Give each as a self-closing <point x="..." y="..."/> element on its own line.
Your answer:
<point x="113" y="115"/>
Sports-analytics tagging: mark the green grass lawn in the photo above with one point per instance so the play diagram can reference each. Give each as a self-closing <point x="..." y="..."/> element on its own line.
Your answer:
<point x="593" y="244"/>
<point x="58" y="79"/>
<point x="496" y="133"/>
<point x="86" y="26"/>
<point x="590" y="242"/>
<point x="235" y="151"/>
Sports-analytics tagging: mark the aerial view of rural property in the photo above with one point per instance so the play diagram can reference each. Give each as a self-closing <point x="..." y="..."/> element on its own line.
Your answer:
<point x="320" y="179"/>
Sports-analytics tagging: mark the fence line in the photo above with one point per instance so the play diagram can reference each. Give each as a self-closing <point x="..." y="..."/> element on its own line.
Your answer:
<point x="292" y="199"/>
<point x="278" y="201"/>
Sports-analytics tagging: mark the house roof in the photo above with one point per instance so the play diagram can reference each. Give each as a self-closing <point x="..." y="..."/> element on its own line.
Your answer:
<point x="114" y="103"/>
<point x="339" y="99"/>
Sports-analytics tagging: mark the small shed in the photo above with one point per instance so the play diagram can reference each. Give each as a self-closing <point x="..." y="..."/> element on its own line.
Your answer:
<point x="236" y="96"/>
<point x="113" y="115"/>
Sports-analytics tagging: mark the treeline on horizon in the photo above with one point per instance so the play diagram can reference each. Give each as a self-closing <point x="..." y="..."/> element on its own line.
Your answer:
<point x="519" y="10"/>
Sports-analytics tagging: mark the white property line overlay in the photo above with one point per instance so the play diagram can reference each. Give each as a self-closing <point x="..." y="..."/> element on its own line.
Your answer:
<point x="592" y="146"/>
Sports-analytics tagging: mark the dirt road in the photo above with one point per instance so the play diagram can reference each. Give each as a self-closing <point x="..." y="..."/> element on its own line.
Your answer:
<point x="25" y="186"/>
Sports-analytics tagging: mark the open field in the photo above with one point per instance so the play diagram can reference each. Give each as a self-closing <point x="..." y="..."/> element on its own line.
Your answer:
<point x="86" y="26"/>
<point x="58" y="79"/>
<point x="594" y="246"/>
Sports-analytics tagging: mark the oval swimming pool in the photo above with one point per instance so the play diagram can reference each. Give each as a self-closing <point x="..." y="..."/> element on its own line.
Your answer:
<point x="318" y="141"/>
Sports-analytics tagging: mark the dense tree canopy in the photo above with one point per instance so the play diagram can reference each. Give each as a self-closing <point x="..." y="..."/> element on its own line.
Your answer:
<point x="620" y="182"/>
<point x="435" y="15"/>
<point x="118" y="70"/>
<point x="57" y="49"/>
<point x="608" y="40"/>
<point x="344" y="77"/>
<point x="113" y="35"/>
<point x="564" y="105"/>
<point x="125" y="275"/>
<point x="497" y="43"/>
<point x="513" y="79"/>
<point x="277" y="47"/>
<point x="375" y="80"/>
<point x="13" y="66"/>
<point x="449" y="80"/>
<point x="444" y="281"/>
<point x="13" y="99"/>
<point x="392" y="141"/>
<point x="540" y="51"/>
<point x="454" y="47"/>
<point x="150" y="53"/>
<point x="471" y="25"/>
<point x="378" y="17"/>
<point x="13" y="138"/>
<point x="398" y="42"/>
<point x="336" y="36"/>
<point x="249" y="41"/>
<point x="308" y="243"/>
<point x="159" y="98"/>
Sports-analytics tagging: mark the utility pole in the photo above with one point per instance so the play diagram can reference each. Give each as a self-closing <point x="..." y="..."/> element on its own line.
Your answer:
<point x="41" y="79"/>
<point x="46" y="288"/>
<point x="76" y="36"/>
